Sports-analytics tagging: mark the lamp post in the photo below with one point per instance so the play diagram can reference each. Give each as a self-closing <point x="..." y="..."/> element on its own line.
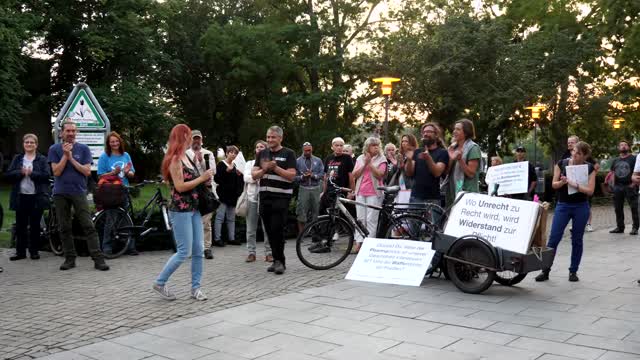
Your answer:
<point x="535" y="114"/>
<point x="386" y="84"/>
<point x="617" y="123"/>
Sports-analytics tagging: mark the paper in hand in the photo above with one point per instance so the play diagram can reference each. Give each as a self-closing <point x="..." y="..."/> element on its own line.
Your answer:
<point x="579" y="174"/>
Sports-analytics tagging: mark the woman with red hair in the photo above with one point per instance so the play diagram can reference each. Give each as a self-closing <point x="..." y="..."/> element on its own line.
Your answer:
<point x="183" y="210"/>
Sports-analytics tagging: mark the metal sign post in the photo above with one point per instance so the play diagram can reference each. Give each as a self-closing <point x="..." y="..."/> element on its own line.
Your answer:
<point x="93" y="125"/>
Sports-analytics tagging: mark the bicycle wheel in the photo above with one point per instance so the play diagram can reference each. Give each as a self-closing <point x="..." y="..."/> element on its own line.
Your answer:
<point x="324" y="243"/>
<point x="509" y="278"/>
<point x="471" y="279"/>
<point x="53" y="233"/>
<point x="410" y="227"/>
<point x="114" y="228"/>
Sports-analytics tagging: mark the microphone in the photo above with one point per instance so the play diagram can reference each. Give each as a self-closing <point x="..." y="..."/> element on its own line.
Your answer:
<point x="206" y="161"/>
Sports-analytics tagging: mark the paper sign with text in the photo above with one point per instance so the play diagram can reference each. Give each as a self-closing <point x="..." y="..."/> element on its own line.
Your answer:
<point x="505" y="223"/>
<point x="389" y="261"/>
<point x="513" y="178"/>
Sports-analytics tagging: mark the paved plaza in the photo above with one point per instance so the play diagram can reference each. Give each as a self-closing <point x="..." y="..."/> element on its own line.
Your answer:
<point x="306" y="314"/>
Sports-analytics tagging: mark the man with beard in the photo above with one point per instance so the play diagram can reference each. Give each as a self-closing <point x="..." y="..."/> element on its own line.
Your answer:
<point x="427" y="165"/>
<point x="71" y="165"/>
<point x="204" y="160"/>
<point x="624" y="188"/>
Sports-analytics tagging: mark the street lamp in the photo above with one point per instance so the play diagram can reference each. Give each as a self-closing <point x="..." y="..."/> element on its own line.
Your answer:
<point x="386" y="84"/>
<point x="617" y="123"/>
<point x="535" y="114"/>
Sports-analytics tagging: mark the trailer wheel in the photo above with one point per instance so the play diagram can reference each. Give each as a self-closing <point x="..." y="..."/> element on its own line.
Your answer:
<point x="509" y="278"/>
<point x="469" y="264"/>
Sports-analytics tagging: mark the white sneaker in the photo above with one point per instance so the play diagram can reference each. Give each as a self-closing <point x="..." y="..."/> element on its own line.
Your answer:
<point x="164" y="291"/>
<point x="198" y="294"/>
<point x="589" y="228"/>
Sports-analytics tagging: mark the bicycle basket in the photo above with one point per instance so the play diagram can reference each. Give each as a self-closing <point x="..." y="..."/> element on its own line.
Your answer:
<point x="109" y="196"/>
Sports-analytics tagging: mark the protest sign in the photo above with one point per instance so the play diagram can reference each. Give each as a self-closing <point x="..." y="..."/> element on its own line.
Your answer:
<point x="505" y="223"/>
<point x="240" y="161"/>
<point x="513" y="178"/>
<point x="390" y="261"/>
<point x="579" y="174"/>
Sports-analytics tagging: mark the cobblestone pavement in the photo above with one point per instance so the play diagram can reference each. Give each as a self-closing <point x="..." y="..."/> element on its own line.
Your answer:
<point x="48" y="311"/>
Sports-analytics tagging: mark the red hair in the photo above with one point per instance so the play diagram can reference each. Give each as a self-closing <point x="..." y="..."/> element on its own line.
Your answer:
<point x="107" y="147"/>
<point x="176" y="147"/>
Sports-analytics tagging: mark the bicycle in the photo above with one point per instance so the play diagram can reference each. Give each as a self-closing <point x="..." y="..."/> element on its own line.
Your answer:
<point x="327" y="242"/>
<point x="118" y="223"/>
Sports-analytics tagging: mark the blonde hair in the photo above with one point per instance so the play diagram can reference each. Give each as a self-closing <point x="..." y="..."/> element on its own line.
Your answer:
<point x="371" y="141"/>
<point x="30" y="136"/>
<point x="498" y="159"/>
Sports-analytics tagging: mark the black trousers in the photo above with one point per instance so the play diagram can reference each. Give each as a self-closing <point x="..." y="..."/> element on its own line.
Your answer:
<point x="274" y="212"/>
<point x="27" y="225"/>
<point x="620" y="193"/>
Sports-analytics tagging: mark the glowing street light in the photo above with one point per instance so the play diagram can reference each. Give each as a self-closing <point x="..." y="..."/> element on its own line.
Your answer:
<point x="617" y="123"/>
<point x="386" y="85"/>
<point x="535" y="114"/>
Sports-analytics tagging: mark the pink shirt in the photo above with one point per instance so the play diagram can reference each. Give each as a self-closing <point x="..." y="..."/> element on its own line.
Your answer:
<point x="366" y="187"/>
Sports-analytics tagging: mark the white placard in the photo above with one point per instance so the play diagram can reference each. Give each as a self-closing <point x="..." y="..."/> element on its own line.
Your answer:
<point x="579" y="173"/>
<point x="91" y="138"/>
<point x="390" y="261"/>
<point x="96" y="151"/>
<point x="513" y="178"/>
<point x="240" y="161"/>
<point x="505" y="223"/>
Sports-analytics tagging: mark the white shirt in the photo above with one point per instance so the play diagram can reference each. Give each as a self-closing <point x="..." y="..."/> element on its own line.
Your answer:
<point x="26" y="184"/>
<point x="252" y="185"/>
<point x="201" y="165"/>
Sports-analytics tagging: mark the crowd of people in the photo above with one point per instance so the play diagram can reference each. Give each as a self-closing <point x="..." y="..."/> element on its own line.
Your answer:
<point x="261" y="189"/>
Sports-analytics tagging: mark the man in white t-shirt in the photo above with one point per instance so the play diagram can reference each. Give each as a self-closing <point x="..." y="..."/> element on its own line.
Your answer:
<point x="203" y="160"/>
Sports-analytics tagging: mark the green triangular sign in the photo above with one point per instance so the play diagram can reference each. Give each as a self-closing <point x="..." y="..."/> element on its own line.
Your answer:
<point x="83" y="112"/>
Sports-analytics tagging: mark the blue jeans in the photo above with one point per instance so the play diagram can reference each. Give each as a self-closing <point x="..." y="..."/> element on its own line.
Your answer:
<point x="579" y="215"/>
<point x="189" y="235"/>
<point x="225" y="213"/>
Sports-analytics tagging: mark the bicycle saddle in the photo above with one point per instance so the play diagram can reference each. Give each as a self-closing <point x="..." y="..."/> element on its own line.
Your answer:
<point x="389" y="189"/>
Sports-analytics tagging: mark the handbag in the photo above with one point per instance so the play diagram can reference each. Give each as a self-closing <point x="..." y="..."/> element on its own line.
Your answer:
<point x="207" y="200"/>
<point x="242" y="206"/>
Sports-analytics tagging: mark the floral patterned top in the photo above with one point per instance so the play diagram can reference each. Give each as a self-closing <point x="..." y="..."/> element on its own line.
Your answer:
<point x="184" y="201"/>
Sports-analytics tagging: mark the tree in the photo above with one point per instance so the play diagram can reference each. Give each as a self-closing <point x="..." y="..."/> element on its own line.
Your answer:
<point x="14" y="30"/>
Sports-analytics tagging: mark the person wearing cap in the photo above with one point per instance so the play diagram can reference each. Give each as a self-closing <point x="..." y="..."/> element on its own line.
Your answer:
<point x="521" y="155"/>
<point x="203" y="160"/>
<point x="309" y="176"/>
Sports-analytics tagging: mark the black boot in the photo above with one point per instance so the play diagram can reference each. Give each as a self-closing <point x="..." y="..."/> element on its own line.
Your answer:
<point x="69" y="263"/>
<point x="544" y="275"/>
<point x="99" y="264"/>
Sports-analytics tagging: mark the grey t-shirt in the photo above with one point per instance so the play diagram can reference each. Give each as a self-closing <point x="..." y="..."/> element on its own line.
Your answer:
<point x="26" y="184"/>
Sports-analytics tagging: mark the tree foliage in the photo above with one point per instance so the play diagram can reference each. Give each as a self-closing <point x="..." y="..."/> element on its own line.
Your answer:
<point x="233" y="68"/>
